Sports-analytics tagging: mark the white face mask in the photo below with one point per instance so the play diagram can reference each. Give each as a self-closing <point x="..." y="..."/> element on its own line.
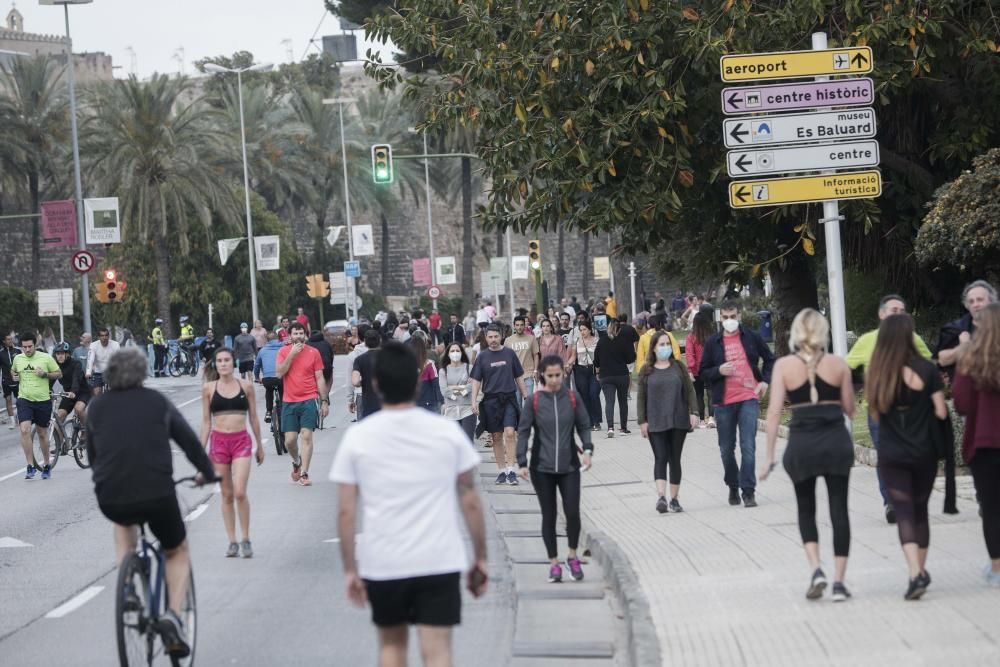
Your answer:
<point x="730" y="325"/>
<point x="455" y="356"/>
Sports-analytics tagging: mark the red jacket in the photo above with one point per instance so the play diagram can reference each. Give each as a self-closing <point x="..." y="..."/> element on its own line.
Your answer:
<point x="693" y="350"/>
<point x="982" y="416"/>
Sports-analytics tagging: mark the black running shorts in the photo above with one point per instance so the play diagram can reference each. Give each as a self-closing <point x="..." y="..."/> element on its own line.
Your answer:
<point x="162" y="515"/>
<point x="430" y="600"/>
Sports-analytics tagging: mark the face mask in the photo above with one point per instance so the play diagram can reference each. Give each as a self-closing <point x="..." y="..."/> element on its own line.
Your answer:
<point x="730" y="325"/>
<point x="663" y="353"/>
<point x="455" y="356"/>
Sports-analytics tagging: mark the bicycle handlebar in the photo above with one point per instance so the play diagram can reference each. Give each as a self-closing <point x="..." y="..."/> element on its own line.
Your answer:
<point x="192" y="481"/>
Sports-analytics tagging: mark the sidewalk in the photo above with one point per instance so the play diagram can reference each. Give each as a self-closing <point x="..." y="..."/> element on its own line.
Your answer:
<point x="726" y="585"/>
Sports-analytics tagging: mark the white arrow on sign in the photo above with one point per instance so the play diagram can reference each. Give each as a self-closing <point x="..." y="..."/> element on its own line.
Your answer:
<point x="779" y="160"/>
<point x="800" y="128"/>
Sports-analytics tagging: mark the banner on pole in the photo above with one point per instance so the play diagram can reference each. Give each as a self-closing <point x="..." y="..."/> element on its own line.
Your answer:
<point x="422" y="272"/>
<point x="268" y="250"/>
<point x="332" y="234"/>
<point x="52" y="301"/>
<point x="364" y="242"/>
<point x="101" y="220"/>
<point x="498" y="266"/>
<point x="447" y="272"/>
<point x="602" y="268"/>
<point x="59" y="224"/>
<point x="519" y="267"/>
<point x="226" y="248"/>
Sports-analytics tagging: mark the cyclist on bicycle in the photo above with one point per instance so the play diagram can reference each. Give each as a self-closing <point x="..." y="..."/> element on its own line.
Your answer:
<point x="32" y="370"/>
<point x="265" y="371"/>
<point x="128" y="443"/>
<point x="73" y="383"/>
<point x="97" y="359"/>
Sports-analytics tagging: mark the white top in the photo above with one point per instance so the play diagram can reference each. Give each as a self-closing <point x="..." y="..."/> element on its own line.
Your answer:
<point x="482" y="315"/>
<point x="584" y="352"/>
<point x="97" y="357"/>
<point x="406" y="463"/>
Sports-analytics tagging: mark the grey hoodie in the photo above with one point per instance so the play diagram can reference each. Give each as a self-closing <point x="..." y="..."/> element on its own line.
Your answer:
<point x="553" y="449"/>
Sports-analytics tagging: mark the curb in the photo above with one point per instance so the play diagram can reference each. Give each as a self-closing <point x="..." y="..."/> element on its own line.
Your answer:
<point x="864" y="455"/>
<point x="643" y="647"/>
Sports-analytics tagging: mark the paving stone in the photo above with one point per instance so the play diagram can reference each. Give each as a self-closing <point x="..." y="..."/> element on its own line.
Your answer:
<point x="544" y="629"/>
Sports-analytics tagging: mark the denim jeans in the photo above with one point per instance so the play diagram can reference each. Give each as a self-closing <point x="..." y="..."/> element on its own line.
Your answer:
<point x="728" y="418"/>
<point x="529" y="386"/>
<point x="590" y="390"/>
<point x="873" y="431"/>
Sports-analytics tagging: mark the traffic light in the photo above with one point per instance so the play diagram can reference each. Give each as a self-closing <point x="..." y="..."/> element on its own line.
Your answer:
<point x="535" y="255"/>
<point x="111" y="284"/>
<point x="101" y="291"/>
<point x="317" y="287"/>
<point x="382" y="163"/>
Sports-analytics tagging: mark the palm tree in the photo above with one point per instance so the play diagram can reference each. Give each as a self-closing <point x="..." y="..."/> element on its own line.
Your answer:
<point x="163" y="158"/>
<point x="35" y="117"/>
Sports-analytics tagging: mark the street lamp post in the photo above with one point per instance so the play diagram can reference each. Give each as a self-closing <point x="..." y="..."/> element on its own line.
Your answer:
<point x="430" y="222"/>
<point x="219" y="69"/>
<point x="352" y="305"/>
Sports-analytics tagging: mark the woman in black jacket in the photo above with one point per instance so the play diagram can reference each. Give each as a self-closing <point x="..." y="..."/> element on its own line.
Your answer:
<point x="555" y="411"/>
<point x="611" y="359"/>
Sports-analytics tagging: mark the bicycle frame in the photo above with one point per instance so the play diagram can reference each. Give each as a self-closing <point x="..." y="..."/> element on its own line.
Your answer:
<point x="147" y="550"/>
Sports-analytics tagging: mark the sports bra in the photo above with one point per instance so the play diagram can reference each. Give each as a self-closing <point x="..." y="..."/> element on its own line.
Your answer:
<point x="220" y="403"/>
<point x="824" y="390"/>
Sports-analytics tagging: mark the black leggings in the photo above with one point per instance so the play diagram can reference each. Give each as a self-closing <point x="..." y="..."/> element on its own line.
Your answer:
<point x="271" y="386"/>
<point x="545" y="484"/>
<point x="836" y="489"/>
<point x="610" y="386"/>
<point x="667" y="447"/>
<point x="699" y="394"/>
<point x="985" y="466"/>
<point x="910" y="486"/>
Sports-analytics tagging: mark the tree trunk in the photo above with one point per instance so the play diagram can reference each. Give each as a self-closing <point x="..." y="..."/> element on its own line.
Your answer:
<point x="468" y="253"/>
<point x="384" y="278"/>
<point x="587" y="263"/>
<point x="794" y="288"/>
<point x="560" y="264"/>
<point x="36" y="233"/>
<point x="161" y="260"/>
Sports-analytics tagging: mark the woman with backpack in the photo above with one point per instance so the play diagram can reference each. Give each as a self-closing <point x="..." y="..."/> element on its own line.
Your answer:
<point x="906" y="398"/>
<point x="456" y="387"/>
<point x="555" y="411"/>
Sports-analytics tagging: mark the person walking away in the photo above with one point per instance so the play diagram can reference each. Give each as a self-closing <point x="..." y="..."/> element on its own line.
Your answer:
<point x="402" y="332"/>
<point x="585" y="374"/>
<point x="497" y="374"/>
<point x="611" y="306"/>
<point x="612" y="356"/>
<point x="318" y="341"/>
<point x="245" y="349"/>
<point x="227" y="403"/>
<point x="363" y="375"/>
<point x="259" y="334"/>
<point x="455" y="333"/>
<point x="858" y="360"/>
<point x="32" y="370"/>
<point x="554" y="412"/>
<point x="736" y="365"/>
<point x="301" y="370"/>
<point x="413" y="473"/>
<point x="482" y="316"/>
<point x="819" y="444"/>
<point x="694" y="347"/>
<point x="469" y="325"/>
<point x="354" y="393"/>
<point x="657" y="322"/>
<point x="128" y="445"/>
<point x="97" y="359"/>
<point x="525" y="346"/>
<point x="456" y="387"/>
<point x="955" y="335"/>
<point x="265" y="370"/>
<point x="976" y="391"/>
<point x="159" y="342"/>
<point x="667" y="412"/>
<point x="7" y="354"/>
<point x="429" y="395"/>
<point x="905" y="395"/>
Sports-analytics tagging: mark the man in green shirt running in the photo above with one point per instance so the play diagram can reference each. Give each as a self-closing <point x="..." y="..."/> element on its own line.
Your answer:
<point x="860" y="356"/>
<point x="33" y="369"/>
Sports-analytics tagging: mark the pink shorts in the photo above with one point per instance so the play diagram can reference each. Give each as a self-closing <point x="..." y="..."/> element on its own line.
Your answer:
<point x="228" y="446"/>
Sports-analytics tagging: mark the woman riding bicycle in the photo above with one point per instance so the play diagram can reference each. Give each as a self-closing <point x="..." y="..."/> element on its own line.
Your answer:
<point x="129" y="434"/>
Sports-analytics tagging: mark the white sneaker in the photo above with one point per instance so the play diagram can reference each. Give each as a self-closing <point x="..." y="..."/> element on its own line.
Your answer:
<point x="11" y="423"/>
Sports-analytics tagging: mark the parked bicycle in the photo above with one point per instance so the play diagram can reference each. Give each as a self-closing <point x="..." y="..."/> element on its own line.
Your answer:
<point x="182" y="362"/>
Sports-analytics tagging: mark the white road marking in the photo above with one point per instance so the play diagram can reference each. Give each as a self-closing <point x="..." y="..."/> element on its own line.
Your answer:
<point x="13" y="543"/>
<point x="196" y="512"/>
<point x="181" y="405"/>
<point x="75" y="603"/>
<point x="19" y="471"/>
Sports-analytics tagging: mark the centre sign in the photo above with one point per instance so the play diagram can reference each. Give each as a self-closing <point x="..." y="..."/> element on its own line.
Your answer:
<point x="846" y="155"/>
<point x="801" y="95"/>
<point x="799" y="128"/>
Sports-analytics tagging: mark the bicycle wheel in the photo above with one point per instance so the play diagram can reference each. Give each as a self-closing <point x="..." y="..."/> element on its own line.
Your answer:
<point x="55" y="443"/>
<point x="319" y="414"/>
<point x="189" y="616"/>
<point x="133" y="629"/>
<point x="79" y="447"/>
<point x="276" y="434"/>
<point x="174" y="366"/>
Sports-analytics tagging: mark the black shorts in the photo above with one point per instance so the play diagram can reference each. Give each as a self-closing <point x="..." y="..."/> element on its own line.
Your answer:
<point x="430" y="600"/>
<point x="9" y="388"/>
<point x="498" y="413"/>
<point x="68" y="403"/>
<point x="162" y="515"/>
<point x="246" y="366"/>
<point x="97" y="381"/>
<point x="38" y="413"/>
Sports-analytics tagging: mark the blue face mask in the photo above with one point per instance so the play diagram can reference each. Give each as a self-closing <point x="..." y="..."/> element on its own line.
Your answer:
<point x="663" y="353"/>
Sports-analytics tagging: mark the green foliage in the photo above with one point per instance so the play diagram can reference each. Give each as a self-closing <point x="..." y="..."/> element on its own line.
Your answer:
<point x="862" y="293"/>
<point x="19" y="311"/>
<point x="962" y="228"/>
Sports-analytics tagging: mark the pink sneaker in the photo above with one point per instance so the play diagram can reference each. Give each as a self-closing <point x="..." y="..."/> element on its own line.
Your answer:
<point x="555" y="574"/>
<point x="304" y="480"/>
<point x="295" y="471"/>
<point x="575" y="568"/>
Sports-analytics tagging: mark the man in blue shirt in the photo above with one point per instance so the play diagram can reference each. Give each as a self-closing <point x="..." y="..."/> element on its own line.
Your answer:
<point x="265" y="371"/>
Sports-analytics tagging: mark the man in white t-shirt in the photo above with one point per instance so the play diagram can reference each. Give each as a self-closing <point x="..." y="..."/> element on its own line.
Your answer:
<point x="411" y="486"/>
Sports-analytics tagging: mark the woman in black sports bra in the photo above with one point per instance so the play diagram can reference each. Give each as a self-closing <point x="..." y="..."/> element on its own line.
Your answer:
<point x="819" y="444"/>
<point x="227" y="402"/>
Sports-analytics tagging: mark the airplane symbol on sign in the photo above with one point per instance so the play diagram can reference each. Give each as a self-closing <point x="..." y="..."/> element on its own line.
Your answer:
<point x="840" y="61"/>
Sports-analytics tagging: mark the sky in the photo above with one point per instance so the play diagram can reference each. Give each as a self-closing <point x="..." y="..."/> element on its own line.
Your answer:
<point x="158" y="30"/>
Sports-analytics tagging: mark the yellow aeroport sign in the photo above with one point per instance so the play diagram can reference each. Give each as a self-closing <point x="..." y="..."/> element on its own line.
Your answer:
<point x="796" y="64"/>
<point x="803" y="189"/>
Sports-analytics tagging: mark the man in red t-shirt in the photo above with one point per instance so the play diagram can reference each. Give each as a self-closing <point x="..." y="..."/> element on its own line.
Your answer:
<point x="303" y="319"/>
<point x="300" y="368"/>
<point x="434" y="321"/>
<point x="282" y="330"/>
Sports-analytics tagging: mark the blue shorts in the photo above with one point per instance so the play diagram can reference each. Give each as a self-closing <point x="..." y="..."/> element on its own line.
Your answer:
<point x="499" y="412"/>
<point x="298" y="416"/>
<point x="97" y="381"/>
<point x="38" y="413"/>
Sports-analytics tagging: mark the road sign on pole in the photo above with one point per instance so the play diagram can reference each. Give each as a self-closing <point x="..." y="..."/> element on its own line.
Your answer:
<point x="795" y="64"/>
<point x="799" y="128"/>
<point x="352" y="269"/>
<point x="847" y="155"/>
<point x="804" y="189"/>
<point x="434" y="292"/>
<point x="801" y="95"/>
<point x="83" y="261"/>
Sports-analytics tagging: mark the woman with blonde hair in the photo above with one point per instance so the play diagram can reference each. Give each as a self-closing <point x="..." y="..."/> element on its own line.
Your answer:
<point x="976" y="391"/>
<point x="819" y="392"/>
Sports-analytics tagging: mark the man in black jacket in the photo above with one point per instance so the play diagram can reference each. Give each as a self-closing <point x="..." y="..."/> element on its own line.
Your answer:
<point x="736" y="365"/>
<point x="955" y="335"/>
<point x="455" y="333"/>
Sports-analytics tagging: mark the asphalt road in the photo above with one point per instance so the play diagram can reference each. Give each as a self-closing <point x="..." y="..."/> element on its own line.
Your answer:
<point x="284" y="606"/>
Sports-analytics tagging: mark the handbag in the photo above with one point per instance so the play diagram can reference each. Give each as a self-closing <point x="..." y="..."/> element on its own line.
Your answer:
<point x="943" y="436"/>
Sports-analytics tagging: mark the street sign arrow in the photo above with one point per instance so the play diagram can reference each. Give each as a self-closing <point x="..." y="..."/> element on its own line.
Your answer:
<point x="859" y="60"/>
<point x="858" y="92"/>
<point x="800" y="128"/>
<point x="803" y="189"/>
<point x="777" y="160"/>
<point x="741" y="193"/>
<point x="795" y="64"/>
<point x="734" y="101"/>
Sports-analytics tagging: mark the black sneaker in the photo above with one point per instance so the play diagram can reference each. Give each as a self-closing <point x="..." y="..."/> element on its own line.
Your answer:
<point x="734" y="495"/>
<point x="890" y="514"/>
<point x="817" y="585"/>
<point x="171" y="629"/>
<point x="749" y="500"/>
<point x="267" y="417"/>
<point x="661" y="505"/>
<point x="625" y="431"/>
<point x="512" y="478"/>
<point x="502" y="478"/>
<point x="916" y="589"/>
<point x="840" y="592"/>
<point x="675" y="506"/>
<point x="925" y="577"/>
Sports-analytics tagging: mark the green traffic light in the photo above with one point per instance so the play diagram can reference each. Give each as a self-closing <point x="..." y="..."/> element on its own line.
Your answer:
<point x="382" y="174"/>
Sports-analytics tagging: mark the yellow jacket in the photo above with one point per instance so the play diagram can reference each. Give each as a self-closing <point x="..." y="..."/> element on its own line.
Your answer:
<point x="642" y="349"/>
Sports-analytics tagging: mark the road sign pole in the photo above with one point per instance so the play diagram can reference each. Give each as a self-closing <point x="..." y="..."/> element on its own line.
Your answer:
<point x="631" y="279"/>
<point x="834" y="260"/>
<point x="62" y="330"/>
